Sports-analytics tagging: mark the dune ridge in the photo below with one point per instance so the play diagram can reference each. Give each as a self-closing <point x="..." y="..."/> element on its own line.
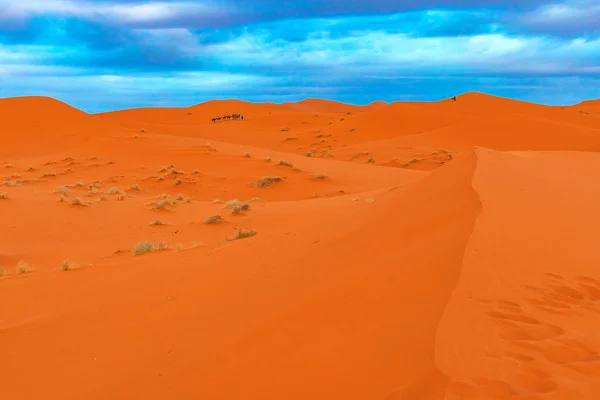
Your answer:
<point x="314" y="250"/>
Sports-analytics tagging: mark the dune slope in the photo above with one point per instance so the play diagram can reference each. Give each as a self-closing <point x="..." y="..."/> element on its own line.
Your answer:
<point x="317" y="250"/>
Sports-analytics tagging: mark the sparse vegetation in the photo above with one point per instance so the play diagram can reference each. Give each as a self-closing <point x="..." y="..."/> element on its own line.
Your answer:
<point x="157" y="222"/>
<point x="3" y="196"/>
<point x="121" y="197"/>
<point x="146" y="247"/>
<point x="285" y="163"/>
<point x="371" y="160"/>
<point x="135" y="187"/>
<point x="290" y="138"/>
<point x="65" y="265"/>
<point x="1" y="271"/>
<point x="285" y="129"/>
<point x="213" y="219"/>
<point x="23" y="268"/>
<point x="48" y="175"/>
<point x="162" y="205"/>
<point x="163" y="170"/>
<point x="239" y="208"/>
<point x="247" y="155"/>
<point x="320" y="176"/>
<point x="242" y="234"/>
<point x="114" y="190"/>
<point x="12" y="183"/>
<point x="78" y="184"/>
<point x="268" y="181"/>
<point x="161" y="178"/>
<point x="77" y="202"/>
<point x="62" y="189"/>
<point x="103" y="198"/>
<point x="178" y="182"/>
<point x="195" y="172"/>
<point x="8" y="165"/>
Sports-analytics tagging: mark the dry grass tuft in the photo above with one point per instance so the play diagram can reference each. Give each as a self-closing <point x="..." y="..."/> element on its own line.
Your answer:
<point x="371" y="160"/>
<point x="161" y="205"/>
<point x="195" y="172"/>
<point x="157" y="222"/>
<point x="65" y="265"/>
<point x="213" y="219"/>
<point x="77" y="202"/>
<point x="62" y="189"/>
<point x="178" y="182"/>
<point x="78" y="184"/>
<point x="308" y="154"/>
<point x="12" y="183"/>
<point x="48" y="175"/>
<point x="135" y="187"/>
<point x="268" y="181"/>
<point x="239" y="208"/>
<point x="248" y="155"/>
<point x="146" y="247"/>
<point x="121" y="197"/>
<point x="23" y="268"/>
<point x="320" y="176"/>
<point x="114" y="190"/>
<point x="285" y="129"/>
<point x="103" y="198"/>
<point x="285" y="163"/>
<point x="3" y="196"/>
<point x="242" y="234"/>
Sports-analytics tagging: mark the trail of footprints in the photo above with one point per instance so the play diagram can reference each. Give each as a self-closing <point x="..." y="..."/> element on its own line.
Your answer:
<point x="534" y="342"/>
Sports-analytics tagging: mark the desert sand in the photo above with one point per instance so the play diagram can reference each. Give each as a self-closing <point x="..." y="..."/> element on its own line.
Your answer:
<point x="404" y="251"/>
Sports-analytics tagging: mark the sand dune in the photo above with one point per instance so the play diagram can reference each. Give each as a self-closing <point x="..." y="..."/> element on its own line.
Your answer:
<point x="401" y="251"/>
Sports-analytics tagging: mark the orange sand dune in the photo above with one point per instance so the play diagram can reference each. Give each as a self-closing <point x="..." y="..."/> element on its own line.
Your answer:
<point x="404" y="251"/>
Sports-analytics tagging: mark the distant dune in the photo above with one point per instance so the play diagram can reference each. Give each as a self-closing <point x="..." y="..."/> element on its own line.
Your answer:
<point x="314" y="250"/>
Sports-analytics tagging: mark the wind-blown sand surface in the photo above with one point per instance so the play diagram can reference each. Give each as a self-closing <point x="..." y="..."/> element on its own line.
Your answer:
<point x="410" y="251"/>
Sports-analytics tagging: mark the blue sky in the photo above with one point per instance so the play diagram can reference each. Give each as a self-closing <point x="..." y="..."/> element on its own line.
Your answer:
<point x="110" y="54"/>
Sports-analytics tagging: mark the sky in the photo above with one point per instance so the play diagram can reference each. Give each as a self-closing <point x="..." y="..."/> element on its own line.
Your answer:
<point x="101" y="55"/>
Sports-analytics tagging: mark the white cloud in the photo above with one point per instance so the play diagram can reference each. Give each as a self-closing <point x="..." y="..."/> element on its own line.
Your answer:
<point x="125" y="13"/>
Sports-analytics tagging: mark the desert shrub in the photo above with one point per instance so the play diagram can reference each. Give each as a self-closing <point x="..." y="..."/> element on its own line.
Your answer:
<point x="157" y="222"/>
<point x="213" y="219"/>
<point x="23" y="268"/>
<point x="242" y="234"/>
<point x="267" y="181"/>
<point x="285" y="163"/>
<point x="65" y="265"/>
<point x="135" y="187"/>
<point x="77" y="202"/>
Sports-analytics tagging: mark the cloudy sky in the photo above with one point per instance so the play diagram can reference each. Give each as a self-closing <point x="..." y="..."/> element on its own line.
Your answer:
<point x="108" y="54"/>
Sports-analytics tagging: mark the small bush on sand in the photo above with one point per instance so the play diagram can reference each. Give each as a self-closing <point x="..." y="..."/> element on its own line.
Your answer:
<point x="114" y="190"/>
<point x="62" y="190"/>
<point x="242" y="234"/>
<point x="248" y="155"/>
<point x="163" y="170"/>
<point x="161" y="205"/>
<point x="48" y="175"/>
<point x="78" y="184"/>
<point x="23" y="268"/>
<point x="285" y="163"/>
<point x="77" y="202"/>
<point x="181" y="197"/>
<point x="240" y="208"/>
<point x="213" y="219"/>
<point x="65" y="265"/>
<point x="157" y="222"/>
<point x="308" y="154"/>
<point x="3" y="196"/>
<point x="371" y="160"/>
<point x="12" y="183"/>
<point x="285" y="129"/>
<point x="121" y="197"/>
<point x="146" y="247"/>
<point x="135" y="187"/>
<point x="320" y="176"/>
<point x="103" y="198"/>
<point x="195" y="172"/>
<point x="268" y="181"/>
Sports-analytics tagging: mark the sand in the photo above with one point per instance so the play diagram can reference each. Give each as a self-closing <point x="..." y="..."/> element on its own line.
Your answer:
<point x="409" y="251"/>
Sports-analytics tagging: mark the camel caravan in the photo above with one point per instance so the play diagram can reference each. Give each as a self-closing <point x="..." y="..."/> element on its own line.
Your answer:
<point x="228" y="117"/>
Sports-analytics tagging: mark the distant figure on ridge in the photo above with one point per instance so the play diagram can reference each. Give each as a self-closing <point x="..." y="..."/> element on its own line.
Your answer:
<point x="454" y="98"/>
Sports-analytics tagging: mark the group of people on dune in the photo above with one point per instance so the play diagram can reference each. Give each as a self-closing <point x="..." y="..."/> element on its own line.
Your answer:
<point x="228" y="117"/>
